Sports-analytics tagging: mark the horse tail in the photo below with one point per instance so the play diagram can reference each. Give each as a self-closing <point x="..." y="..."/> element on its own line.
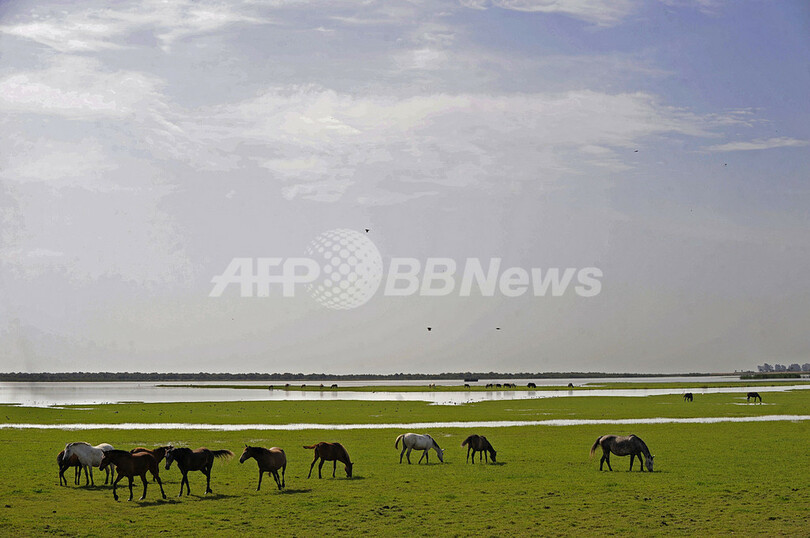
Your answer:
<point x="596" y="444"/>
<point x="396" y="443"/>
<point x="311" y="447"/>
<point x="466" y="441"/>
<point x="222" y="453"/>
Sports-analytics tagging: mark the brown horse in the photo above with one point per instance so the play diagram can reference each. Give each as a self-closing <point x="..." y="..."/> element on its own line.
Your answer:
<point x="622" y="446"/>
<point x="201" y="460"/>
<point x="269" y="459"/>
<point x="755" y="396"/>
<point x="158" y="453"/>
<point x="478" y="443"/>
<point x="64" y="465"/>
<point x="333" y="452"/>
<point x="130" y="465"/>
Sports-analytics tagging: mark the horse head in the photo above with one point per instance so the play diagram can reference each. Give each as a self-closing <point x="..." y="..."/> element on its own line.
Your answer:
<point x="440" y="453"/>
<point x="492" y="454"/>
<point x="649" y="462"/>
<point x="349" y="469"/>
<point x="169" y="457"/>
<point x="105" y="461"/>
<point x="246" y="454"/>
<point x="68" y="452"/>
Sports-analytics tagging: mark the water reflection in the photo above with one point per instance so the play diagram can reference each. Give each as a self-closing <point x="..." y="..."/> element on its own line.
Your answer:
<point x="406" y="425"/>
<point x="47" y="394"/>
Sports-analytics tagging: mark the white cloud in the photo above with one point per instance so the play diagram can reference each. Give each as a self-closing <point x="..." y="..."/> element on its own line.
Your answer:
<point x="761" y="143"/>
<point x="601" y="12"/>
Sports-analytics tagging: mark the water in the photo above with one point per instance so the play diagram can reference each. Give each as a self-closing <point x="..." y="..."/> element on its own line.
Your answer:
<point x="405" y="425"/>
<point x="42" y="394"/>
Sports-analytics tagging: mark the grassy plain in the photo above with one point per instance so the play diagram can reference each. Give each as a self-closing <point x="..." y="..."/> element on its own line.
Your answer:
<point x="746" y="478"/>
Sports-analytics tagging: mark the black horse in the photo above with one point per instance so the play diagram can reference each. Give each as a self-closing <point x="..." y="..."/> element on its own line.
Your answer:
<point x="755" y="396"/>
<point x="201" y="460"/>
<point x="688" y="397"/>
<point x="479" y="443"/>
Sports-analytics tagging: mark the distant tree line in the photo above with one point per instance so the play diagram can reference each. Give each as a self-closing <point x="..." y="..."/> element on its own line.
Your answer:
<point x="287" y="376"/>
<point x="795" y="367"/>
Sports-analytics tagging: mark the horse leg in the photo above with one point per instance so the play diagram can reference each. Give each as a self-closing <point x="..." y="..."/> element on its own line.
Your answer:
<point x="260" y="480"/>
<point x="278" y="480"/>
<point x="632" y="457"/>
<point x="311" y="466"/>
<point x="404" y="448"/>
<point x="143" y="479"/>
<point x="208" y="480"/>
<point x="92" y="482"/>
<point x="283" y="472"/>
<point x="408" y="455"/>
<point x="334" y="467"/>
<point x="183" y="481"/>
<point x="77" y="476"/>
<point x="607" y="460"/>
<point x="115" y="484"/>
<point x="156" y="478"/>
<point x="486" y="457"/>
<point x="129" y="478"/>
<point x="320" y="466"/>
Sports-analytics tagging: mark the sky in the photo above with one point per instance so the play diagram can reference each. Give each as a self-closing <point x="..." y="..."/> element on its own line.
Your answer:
<point x="147" y="144"/>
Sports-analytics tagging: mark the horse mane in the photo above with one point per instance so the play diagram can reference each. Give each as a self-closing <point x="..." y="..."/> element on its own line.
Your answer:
<point x="644" y="448"/>
<point x="116" y="452"/>
<point x="434" y="441"/>
<point x="345" y="452"/>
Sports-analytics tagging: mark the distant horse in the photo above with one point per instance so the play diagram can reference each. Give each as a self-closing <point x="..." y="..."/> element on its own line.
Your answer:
<point x="130" y="465"/>
<point x="89" y="457"/>
<point x="532" y="385"/>
<point x="424" y="442"/>
<point x="688" y="397"/>
<point x="65" y="464"/>
<point x="333" y="452"/>
<point x="478" y="443"/>
<point x="755" y="396"/>
<point x="622" y="446"/>
<point x="270" y="460"/>
<point x="201" y="460"/>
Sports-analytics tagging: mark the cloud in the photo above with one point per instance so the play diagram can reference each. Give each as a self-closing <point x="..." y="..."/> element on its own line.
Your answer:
<point x="761" y="143"/>
<point x="600" y="12"/>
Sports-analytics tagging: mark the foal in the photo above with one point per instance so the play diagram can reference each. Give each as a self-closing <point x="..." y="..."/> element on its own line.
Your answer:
<point x="270" y="460"/>
<point x="129" y="465"/>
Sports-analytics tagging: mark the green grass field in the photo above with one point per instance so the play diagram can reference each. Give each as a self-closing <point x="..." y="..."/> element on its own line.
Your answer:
<point x="747" y="478"/>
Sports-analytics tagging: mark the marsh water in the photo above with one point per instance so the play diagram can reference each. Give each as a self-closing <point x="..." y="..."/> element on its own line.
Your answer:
<point x="42" y="394"/>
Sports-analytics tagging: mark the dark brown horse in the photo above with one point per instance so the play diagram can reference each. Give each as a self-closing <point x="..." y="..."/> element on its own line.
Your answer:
<point x="755" y="396"/>
<point x="64" y="465"/>
<point x="201" y="460"/>
<point x="130" y="465"/>
<point x="269" y="459"/>
<point x="688" y="397"/>
<point x="631" y="445"/>
<point x="478" y="443"/>
<point x="333" y="452"/>
<point x="158" y="453"/>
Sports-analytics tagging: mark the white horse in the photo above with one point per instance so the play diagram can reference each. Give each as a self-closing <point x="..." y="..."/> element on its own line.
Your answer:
<point x="419" y="442"/>
<point x="89" y="457"/>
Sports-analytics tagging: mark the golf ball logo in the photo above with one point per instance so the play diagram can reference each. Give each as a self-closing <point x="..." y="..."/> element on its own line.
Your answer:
<point x="351" y="269"/>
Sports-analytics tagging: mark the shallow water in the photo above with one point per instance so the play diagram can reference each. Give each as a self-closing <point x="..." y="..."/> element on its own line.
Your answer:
<point x="405" y="425"/>
<point x="59" y="394"/>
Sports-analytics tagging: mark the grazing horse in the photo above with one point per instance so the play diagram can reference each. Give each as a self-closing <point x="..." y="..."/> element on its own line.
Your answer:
<point x="622" y="446"/>
<point x="89" y="457"/>
<point x="424" y="442"/>
<point x="478" y="443"/>
<point x="688" y="397"/>
<point x="755" y="396"/>
<point x="201" y="460"/>
<point x="532" y="385"/>
<point x="65" y="464"/>
<point x="270" y="460"/>
<point x="130" y="465"/>
<point x="333" y="452"/>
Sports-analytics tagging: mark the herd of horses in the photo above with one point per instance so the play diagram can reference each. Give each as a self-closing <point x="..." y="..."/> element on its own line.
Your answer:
<point x="140" y="461"/>
<point x="689" y="397"/>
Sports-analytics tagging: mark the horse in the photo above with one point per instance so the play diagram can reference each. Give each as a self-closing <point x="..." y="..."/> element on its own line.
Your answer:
<point x="755" y="396"/>
<point x="130" y="465"/>
<point x="65" y="464"/>
<point x="158" y="453"/>
<point x="270" y="460"/>
<point x="89" y="457"/>
<point x="622" y="446"/>
<point x="419" y="442"/>
<point x="532" y="385"/>
<point x="478" y="443"/>
<point x="688" y="397"/>
<point x="333" y="452"/>
<point x="201" y="460"/>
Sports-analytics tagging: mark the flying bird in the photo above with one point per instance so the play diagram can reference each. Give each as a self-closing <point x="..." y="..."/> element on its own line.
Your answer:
<point x="429" y="328"/>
